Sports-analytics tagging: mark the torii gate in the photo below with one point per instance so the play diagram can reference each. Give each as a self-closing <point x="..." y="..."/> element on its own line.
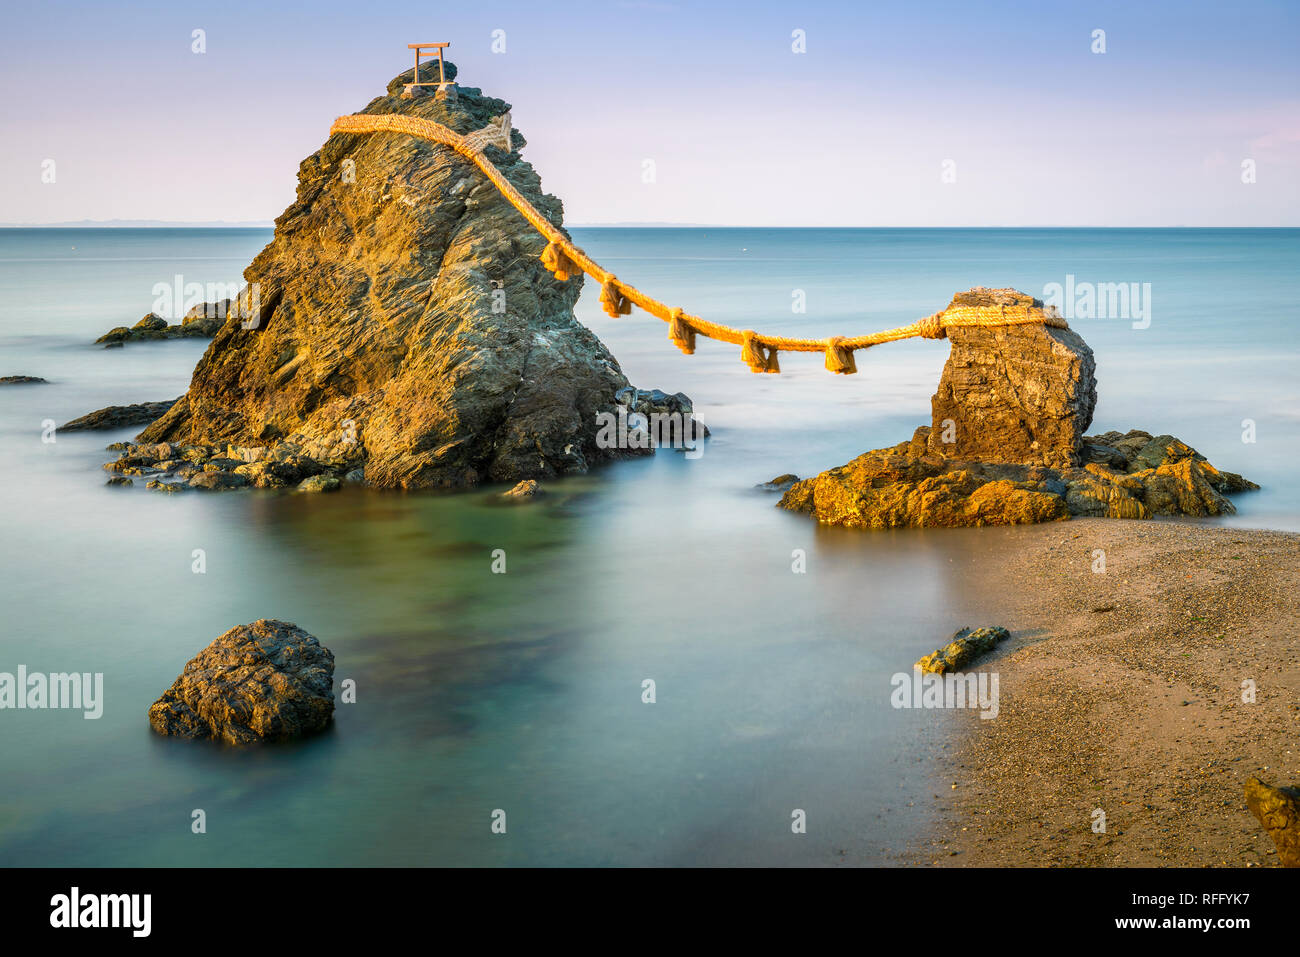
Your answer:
<point x="446" y="91"/>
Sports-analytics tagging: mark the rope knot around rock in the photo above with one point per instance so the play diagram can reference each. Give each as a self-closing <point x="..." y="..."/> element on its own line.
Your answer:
<point x="932" y="327"/>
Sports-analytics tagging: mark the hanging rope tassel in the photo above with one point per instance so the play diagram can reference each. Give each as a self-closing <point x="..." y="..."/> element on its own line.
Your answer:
<point x="752" y="352"/>
<point x="554" y="259"/>
<point x="681" y="333"/>
<point x="838" y="358"/>
<point x="772" y="365"/>
<point x="612" y="299"/>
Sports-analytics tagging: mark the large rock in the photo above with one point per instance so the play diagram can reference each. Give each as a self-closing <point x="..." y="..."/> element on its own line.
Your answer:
<point x="1278" y="809"/>
<point x="1134" y="475"/>
<point x="1019" y="394"/>
<point x="405" y="324"/>
<point x="269" y="680"/>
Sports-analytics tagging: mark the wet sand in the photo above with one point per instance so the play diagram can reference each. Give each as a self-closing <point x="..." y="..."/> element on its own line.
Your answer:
<point x="1122" y="691"/>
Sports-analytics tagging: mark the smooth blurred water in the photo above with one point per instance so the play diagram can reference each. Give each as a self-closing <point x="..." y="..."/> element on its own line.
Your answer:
<point x="522" y="691"/>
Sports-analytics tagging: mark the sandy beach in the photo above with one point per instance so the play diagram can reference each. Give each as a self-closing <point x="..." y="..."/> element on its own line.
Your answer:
<point x="1122" y="691"/>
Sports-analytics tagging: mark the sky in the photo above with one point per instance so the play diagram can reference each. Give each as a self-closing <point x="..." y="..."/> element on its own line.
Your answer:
<point x="896" y="114"/>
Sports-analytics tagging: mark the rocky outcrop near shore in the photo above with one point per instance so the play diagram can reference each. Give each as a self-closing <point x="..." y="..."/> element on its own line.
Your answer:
<point x="1278" y="810"/>
<point x="201" y="322"/>
<point x="119" y="416"/>
<point x="405" y="327"/>
<point x="1006" y="445"/>
<point x="1131" y="475"/>
<point x="265" y="681"/>
<point x="21" y="380"/>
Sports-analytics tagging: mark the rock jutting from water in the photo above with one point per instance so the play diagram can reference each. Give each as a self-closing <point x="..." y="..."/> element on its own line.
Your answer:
<point x="1006" y="446"/>
<point x="265" y="681"/>
<point x="963" y="648"/>
<point x="201" y="322"/>
<point x="119" y="416"/>
<point x="22" y="380"/>
<point x="405" y="330"/>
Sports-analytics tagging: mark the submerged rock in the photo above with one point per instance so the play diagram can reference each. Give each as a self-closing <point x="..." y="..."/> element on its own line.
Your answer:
<point x="964" y="647"/>
<point x="268" y="680"/>
<point x="319" y="483"/>
<point x="1278" y="809"/>
<point x="525" y="490"/>
<point x="21" y="380"/>
<point x="405" y="323"/>
<point x="119" y="416"/>
<point x="781" y="483"/>
<point x="908" y="486"/>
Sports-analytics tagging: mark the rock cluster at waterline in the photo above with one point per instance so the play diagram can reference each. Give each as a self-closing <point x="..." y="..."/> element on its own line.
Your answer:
<point x="1133" y="475"/>
<point x="1006" y="446"/>
<point x="201" y="322"/>
<point x="265" y="681"/>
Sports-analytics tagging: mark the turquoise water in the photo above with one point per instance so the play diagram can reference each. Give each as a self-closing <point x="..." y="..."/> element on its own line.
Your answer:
<point x="522" y="691"/>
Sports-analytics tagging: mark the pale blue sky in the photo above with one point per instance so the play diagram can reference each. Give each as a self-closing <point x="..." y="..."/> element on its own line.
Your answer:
<point x="742" y="131"/>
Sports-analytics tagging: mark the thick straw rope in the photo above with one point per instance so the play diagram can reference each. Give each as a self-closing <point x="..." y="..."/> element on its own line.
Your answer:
<point x="564" y="259"/>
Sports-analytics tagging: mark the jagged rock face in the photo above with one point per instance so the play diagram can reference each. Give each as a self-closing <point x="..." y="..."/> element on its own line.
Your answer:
<point x="268" y="680"/>
<point x="1017" y="394"/>
<point x="1134" y="475"/>
<point x="405" y="323"/>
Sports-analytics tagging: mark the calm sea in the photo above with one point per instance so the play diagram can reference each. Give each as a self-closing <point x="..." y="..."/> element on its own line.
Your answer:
<point x="522" y="692"/>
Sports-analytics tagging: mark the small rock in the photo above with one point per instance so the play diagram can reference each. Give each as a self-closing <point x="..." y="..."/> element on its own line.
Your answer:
<point x="120" y="480"/>
<point x="215" y="481"/>
<point x="781" y="483"/>
<point x="966" y="645"/>
<point x="115" y="336"/>
<point x="319" y="483"/>
<point x="21" y="380"/>
<point x="169" y="487"/>
<point x="264" y="681"/>
<point x="528" y="488"/>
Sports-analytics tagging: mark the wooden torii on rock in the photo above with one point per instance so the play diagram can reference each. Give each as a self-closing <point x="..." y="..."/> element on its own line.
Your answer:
<point x="446" y="91"/>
